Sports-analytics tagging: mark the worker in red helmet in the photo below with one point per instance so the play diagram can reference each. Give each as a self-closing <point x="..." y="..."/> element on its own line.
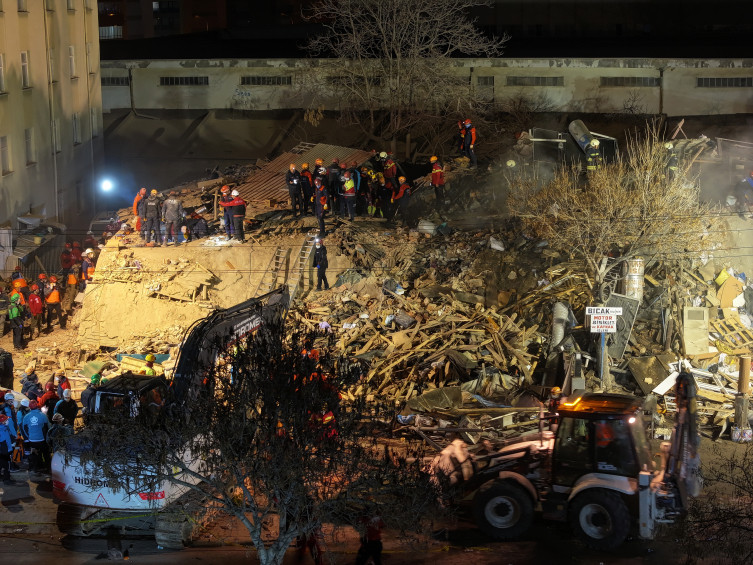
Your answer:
<point x="320" y="199"/>
<point x="307" y="188"/>
<point x="469" y="142"/>
<point x="400" y="197"/>
<point x="227" y="216"/>
<point x="237" y="208"/>
<point x="36" y="310"/>
<point x="437" y="180"/>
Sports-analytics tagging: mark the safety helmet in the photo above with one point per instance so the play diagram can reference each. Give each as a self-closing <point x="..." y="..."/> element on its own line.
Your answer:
<point x="151" y="358"/>
<point x="235" y="193"/>
<point x="67" y="245"/>
<point x="383" y="154"/>
<point x="304" y="166"/>
<point x="88" y="250"/>
<point x="668" y="145"/>
<point x="594" y="143"/>
<point x="41" y="276"/>
<point x="49" y="386"/>
<point x="319" y="161"/>
<point x="467" y="122"/>
<point x="103" y="382"/>
<point x="154" y="192"/>
<point x="67" y="393"/>
<point x="225" y="189"/>
<point x="292" y="166"/>
<point x="9" y="396"/>
<point x="33" y="404"/>
<point x="96" y="377"/>
<point x="364" y="169"/>
<point x="25" y="402"/>
<point x="3" y="418"/>
<point x="76" y="244"/>
<point x="510" y="163"/>
<point x="401" y="180"/>
<point x="18" y="268"/>
<point x="556" y="390"/>
<point x="53" y="278"/>
<point x="433" y="159"/>
<point x="34" y="287"/>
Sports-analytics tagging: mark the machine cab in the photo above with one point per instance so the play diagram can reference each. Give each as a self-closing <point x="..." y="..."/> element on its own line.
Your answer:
<point x="131" y="395"/>
<point x="600" y="433"/>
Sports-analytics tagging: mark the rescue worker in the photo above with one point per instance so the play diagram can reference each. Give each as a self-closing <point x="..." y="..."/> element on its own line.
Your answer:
<point x="555" y="399"/>
<point x="390" y="170"/>
<point x="67" y="407"/>
<point x="76" y="252"/>
<point x="66" y="261"/>
<point x="9" y="409"/>
<point x="91" y="241"/>
<point x="88" y="396"/>
<point x="320" y="171"/>
<point x="349" y="195"/>
<point x="43" y="283"/>
<point x="227" y="216"/>
<point x="172" y="216"/>
<point x="7" y="441"/>
<point x="469" y="142"/>
<point x="461" y="137"/>
<point x="18" y="282"/>
<point x="15" y="317"/>
<point x="34" y="429"/>
<point x="63" y="383"/>
<point x="321" y="264"/>
<point x="437" y="180"/>
<point x="36" y="310"/>
<point x="400" y="198"/>
<point x="356" y="177"/>
<point x="4" y="305"/>
<point x="320" y="201"/>
<point x="672" y="161"/>
<point x="148" y="368"/>
<point x="87" y="268"/>
<point x="151" y="212"/>
<point x="334" y="186"/>
<point x="140" y="195"/>
<point x="59" y="430"/>
<point x="54" y="309"/>
<point x="237" y="208"/>
<point x="371" y="538"/>
<point x="71" y="288"/>
<point x="307" y="188"/>
<point x="593" y="156"/>
<point x="293" y="180"/>
<point x="49" y="399"/>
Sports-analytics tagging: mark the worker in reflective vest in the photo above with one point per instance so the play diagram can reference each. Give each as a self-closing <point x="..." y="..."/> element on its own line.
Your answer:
<point x="54" y="309"/>
<point x="71" y="289"/>
<point x="593" y="156"/>
<point x="18" y="281"/>
<point x="349" y="193"/>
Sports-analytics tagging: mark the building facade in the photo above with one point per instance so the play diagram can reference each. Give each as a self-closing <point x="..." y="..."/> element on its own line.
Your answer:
<point x="50" y="111"/>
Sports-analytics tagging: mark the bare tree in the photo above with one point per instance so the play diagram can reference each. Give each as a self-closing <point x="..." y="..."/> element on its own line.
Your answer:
<point x="631" y="207"/>
<point x="396" y="55"/>
<point x="265" y="438"/>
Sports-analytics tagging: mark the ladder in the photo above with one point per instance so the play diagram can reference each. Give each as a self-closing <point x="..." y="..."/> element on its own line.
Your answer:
<point x="301" y="264"/>
<point x="269" y="278"/>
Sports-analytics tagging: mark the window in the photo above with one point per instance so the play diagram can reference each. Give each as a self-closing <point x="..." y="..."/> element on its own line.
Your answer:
<point x="76" y="128"/>
<point x="724" y="82"/>
<point x="25" y="80"/>
<point x="110" y="32"/>
<point x="266" y="81"/>
<point x="184" y="81"/>
<point x="29" y="144"/>
<point x="72" y="61"/>
<point x="535" y="81"/>
<point x="4" y="155"/>
<point x="22" y="6"/>
<point x="572" y="450"/>
<point x="631" y="82"/>
<point x="614" y="450"/>
<point x="485" y="81"/>
<point x="2" y="74"/>
<point x="56" y="135"/>
<point x="114" y="81"/>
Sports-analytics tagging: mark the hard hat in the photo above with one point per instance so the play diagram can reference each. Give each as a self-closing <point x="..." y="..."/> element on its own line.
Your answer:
<point x="235" y="193"/>
<point x="292" y="166"/>
<point x="103" y="381"/>
<point x="433" y="159"/>
<point x="18" y="268"/>
<point x="225" y="188"/>
<point x="96" y="377"/>
<point x="151" y="358"/>
<point x="9" y="396"/>
<point x="401" y="179"/>
<point x="53" y="278"/>
<point x="67" y="245"/>
<point x="317" y="240"/>
<point x="49" y="386"/>
<point x="343" y="165"/>
<point x="467" y="122"/>
<point x="383" y="154"/>
<point x="67" y="393"/>
<point x="556" y="390"/>
<point x="510" y="163"/>
<point x="25" y="402"/>
<point x="353" y="164"/>
<point x="154" y="191"/>
<point x="90" y="232"/>
<point x="34" y="287"/>
<point x="41" y="276"/>
<point x="88" y="250"/>
<point x="594" y="143"/>
<point x="319" y="161"/>
<point x="668" y="145"/>
<point x="76" y="244"/>
<point x="305" y="166"/>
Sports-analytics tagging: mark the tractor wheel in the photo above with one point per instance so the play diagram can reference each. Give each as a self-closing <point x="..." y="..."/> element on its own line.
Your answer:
<point x="503" y="510"/>
<point x="600" y="518"/>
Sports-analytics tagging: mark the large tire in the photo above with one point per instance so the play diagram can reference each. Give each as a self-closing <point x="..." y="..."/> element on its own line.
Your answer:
<point x="503" y="510"/>
<point x="600" y="518"/>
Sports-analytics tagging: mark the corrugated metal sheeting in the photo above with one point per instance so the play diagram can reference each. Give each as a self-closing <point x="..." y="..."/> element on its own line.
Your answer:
<point x="269" y="181"/>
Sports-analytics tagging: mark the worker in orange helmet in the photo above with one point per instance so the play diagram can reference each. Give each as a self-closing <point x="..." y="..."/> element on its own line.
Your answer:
<point x="227" y="216"/>
<point x="52" y="298"/>
<point x="293" y="180"/>
<point x="469" y="142"/>
<point x="437" y="180"/>
<point x="307" y="188"/>
<point x="141" y="194"/>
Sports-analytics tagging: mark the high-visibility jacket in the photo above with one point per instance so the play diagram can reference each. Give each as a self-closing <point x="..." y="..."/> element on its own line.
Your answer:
<point x="349" y="188"/>
<point x="53" y="297"/>
<point x="437" y="175"/>
<point x="72" y="279"/>
<point x="390" y="169"/>
<point x="90" y="271"/>
<point x="404" y="190"/>
<point x="35" y="304"/>
<point x="469" y="138"/>
<point x="593" y="158"/>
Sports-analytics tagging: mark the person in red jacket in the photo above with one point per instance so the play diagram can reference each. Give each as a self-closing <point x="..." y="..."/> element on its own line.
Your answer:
<point x="390" y="170"/>
<point x="36" y="309"/>
<point x="76" y="252"/>
<point x="66" y="260"/>
<point x="139" y="195"/>
<point x="469" y="142"/>
<point x="237" y="208"/>
<point x="437" y="180"/>
<point x="400" y="198"/>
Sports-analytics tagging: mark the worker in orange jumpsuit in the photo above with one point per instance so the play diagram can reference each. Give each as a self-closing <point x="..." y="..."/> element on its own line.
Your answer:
<point x="139" y="196"/>
<point x="52" y="299"/>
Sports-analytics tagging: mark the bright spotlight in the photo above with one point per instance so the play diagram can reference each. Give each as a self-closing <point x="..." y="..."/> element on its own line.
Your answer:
<point x="107" y="185"/>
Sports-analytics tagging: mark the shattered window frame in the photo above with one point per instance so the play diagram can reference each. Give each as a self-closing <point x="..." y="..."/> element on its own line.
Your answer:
<point x="184" y="81"/>
<point x="266" y="80"/>
<point x="630" y="82"/>
<point x="536" y="81"/>
<point x="724" y="82"/>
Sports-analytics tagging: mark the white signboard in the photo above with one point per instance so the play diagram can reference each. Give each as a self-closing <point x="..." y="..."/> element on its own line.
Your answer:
<point x="591" y="310"/>
<point x="603" y="323"/>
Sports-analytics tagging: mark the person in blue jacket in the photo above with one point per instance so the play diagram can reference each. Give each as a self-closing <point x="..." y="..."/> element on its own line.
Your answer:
<point x="9" y="409"/>
<point x="6" y="448"/>
<point x="34" y="430"/>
